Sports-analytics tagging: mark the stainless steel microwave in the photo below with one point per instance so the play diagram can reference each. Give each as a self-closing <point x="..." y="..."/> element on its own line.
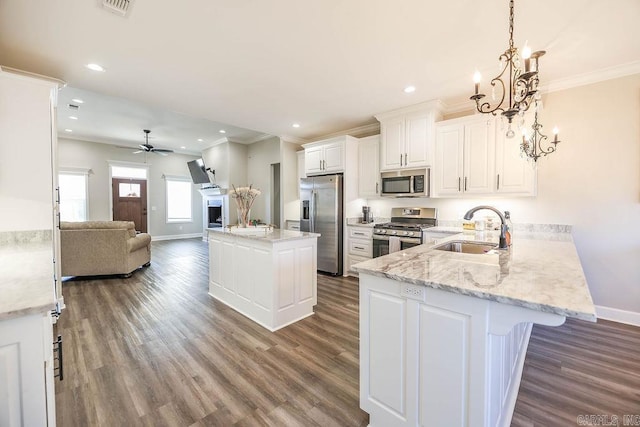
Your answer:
<point x="405" y="183"/>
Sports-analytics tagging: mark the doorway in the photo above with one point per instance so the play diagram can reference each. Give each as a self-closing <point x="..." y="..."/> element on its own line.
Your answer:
<point x="130" y="201"/>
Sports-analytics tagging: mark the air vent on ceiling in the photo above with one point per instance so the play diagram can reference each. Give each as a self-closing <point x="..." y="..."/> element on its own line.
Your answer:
<point x="121" y="7"/>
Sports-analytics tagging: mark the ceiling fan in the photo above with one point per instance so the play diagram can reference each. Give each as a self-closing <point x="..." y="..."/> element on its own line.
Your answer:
<point x="148" y="148"/>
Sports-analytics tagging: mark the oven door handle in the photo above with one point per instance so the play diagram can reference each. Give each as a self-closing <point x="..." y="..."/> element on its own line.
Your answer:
<point x="402" y="239"/>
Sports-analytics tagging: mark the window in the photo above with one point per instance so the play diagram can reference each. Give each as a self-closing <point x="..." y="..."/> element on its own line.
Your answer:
<point x="128" y="172"/>
<point x="73" y="196"/>
<point x="178" y="199"/>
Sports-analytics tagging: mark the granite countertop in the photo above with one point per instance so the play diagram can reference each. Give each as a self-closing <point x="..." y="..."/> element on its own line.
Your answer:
<point x="540" y="271"/>
<point x="275" y="236"/>
<point x="26" y="278"/>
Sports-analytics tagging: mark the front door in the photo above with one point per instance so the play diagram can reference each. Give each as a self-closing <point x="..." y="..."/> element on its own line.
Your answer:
<point x="130" y="201"/>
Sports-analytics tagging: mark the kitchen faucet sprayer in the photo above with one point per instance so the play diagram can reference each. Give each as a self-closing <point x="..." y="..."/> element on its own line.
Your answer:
<point x="503" y="226"/>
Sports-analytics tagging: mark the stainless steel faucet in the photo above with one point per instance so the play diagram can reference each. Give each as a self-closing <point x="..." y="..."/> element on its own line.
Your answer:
<point x="503" y="227"/>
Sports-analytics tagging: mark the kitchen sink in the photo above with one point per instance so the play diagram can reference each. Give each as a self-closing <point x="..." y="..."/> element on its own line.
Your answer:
<point x="467" y="247"/>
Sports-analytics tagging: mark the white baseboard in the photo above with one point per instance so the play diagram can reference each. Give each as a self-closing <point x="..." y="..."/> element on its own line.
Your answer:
<point x="616" y="315"/>
<point x="177" y="236"/>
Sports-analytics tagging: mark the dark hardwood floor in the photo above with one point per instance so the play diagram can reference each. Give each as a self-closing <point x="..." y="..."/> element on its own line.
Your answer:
<point x="156" y="350"/>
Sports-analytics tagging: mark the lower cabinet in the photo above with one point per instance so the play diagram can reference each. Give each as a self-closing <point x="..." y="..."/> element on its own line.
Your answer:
<point x="26" y="371"/>
<point x="434" y="358"/>
<point x="359" y="246"/>
<point x="272" y="282"/>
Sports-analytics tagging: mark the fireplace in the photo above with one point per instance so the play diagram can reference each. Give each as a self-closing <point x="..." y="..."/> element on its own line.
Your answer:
<point x="215" y="213"/>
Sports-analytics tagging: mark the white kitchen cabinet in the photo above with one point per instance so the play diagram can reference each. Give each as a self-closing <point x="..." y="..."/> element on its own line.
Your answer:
<point x="432" y="358"/>
<point x="270" y="279"/>
<point x="26" y="371"/>
<point x="407" y="135"/>
<point x="359" y="246"/>
<point x="473" y="157"/>
<point x="465" y="157"/>
<point x="369" y="166"/>
<point x="324" y="157"/>
<point x="515" y="176"/>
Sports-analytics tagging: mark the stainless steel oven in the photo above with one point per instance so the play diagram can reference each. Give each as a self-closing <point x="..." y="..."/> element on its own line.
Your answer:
<point x="405" y="230"/>
<point x="381" y="244"/>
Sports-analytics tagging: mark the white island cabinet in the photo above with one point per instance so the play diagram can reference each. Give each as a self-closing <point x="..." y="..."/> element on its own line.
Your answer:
<point x="443" y="335"/>
<point x="269" y="277"/>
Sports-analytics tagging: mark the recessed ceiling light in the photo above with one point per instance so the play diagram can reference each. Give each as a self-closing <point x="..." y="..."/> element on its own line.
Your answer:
<point x="95" y="67"/>
<point x="73" y="117"/>
<point x="223" y="131"/>
<point x="409" y="89"/>
<point x="78" y="101"/>
<point x="296" y="125"/>
<point x="183" y="147"/>
<point x="200" y="139"/>
<point x="68" y="130"/>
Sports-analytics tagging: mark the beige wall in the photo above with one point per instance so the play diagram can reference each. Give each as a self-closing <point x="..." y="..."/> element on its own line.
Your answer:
<point x="95" y="156"/>
<point x="591" y="182"/>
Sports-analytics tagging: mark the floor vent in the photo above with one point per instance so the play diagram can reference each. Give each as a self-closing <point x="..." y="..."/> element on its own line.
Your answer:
<point x="120" y="7"/>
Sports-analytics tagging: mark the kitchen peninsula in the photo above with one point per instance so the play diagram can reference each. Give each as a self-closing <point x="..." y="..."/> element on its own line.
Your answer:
<point x="267" y="275"/>
<point x="443" y="335"/>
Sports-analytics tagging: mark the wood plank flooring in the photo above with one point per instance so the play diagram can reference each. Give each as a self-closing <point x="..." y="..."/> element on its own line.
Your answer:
<point x="156" y="350"/>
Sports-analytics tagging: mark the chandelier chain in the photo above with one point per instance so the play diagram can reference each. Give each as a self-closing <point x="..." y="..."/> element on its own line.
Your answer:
<point x="511" y="24"/>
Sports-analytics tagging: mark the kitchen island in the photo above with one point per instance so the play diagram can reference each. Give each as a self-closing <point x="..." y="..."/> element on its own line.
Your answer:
<point x="443" y="335"/>
<point x="267" y="275"/>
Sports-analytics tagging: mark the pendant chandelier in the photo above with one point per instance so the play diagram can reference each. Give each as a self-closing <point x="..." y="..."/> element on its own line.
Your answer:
<point x="520" y="91"/>
<point x="536" y="145"/>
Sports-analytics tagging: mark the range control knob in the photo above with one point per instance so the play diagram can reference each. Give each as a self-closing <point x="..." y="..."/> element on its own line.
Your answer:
<point x="394" y="232"/>
<point x="381" y="231"/>
<point x="410" y="233"/>
<point x="405" y="233"/>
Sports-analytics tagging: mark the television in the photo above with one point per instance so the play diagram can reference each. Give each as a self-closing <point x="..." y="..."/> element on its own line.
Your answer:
<point x="198" y="172"/>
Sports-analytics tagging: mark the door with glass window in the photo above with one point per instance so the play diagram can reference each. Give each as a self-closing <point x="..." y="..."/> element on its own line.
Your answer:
<point x="130" y="201"/>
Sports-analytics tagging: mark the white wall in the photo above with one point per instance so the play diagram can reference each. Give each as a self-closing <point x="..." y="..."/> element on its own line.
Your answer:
<point x="592" y="182"/>
<point x="95" y="156"/>
<point x="260" y="156"/>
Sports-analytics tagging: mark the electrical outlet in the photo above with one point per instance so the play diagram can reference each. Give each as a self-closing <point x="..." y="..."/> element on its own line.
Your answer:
<point x="413" y="292"/>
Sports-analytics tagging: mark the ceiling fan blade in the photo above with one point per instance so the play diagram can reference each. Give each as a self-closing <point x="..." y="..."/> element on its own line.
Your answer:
<point x="162" y="153"/>
<point x="139" y="151"/>
<point x="143" y="147"/>
<point x="161" y="150"/>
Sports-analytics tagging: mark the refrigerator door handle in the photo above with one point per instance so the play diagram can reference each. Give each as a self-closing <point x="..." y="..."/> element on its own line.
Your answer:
<point x="312" y="213"/>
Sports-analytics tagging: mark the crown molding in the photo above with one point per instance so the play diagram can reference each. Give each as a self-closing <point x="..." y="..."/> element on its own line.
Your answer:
<point x="591" y="77"/>
<point x="435" y="105"/>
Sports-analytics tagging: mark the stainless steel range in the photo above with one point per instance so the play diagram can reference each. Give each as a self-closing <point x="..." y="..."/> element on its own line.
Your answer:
<point x="405" y="230"/>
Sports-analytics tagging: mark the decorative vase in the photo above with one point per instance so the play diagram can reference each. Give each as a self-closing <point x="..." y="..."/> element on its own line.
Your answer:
<point x="244" y="216"/>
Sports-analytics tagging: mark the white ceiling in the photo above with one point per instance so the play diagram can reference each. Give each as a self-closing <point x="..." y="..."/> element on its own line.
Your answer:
<point x="185" y="70"/>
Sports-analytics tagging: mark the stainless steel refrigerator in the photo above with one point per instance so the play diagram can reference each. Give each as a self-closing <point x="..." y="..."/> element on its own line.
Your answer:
<point x="321" y="212"/>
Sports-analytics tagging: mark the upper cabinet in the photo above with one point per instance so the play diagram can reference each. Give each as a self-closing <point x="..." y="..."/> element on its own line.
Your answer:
<point x="514" y="175"/>
<point x="407" y="136"/>
<point x="324" y="157"/>
<point x="369" y="166"/>
<point x="473" y="157"/>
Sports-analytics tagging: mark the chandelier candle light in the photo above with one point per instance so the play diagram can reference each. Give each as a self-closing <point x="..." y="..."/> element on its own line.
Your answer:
<point x="244" y="197"/>
<point x="519" y="92"/>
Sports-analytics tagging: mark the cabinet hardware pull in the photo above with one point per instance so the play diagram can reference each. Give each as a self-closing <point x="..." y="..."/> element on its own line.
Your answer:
<point x="58" y="195"/>
<point x="376" y="188"/>
<point x="401" y="159"/>
<point x="320" y="167"/>
<point x="405" y="159"/>
<point x="359" y="234"/>
<point x="359" y="247"/>
<point x="498" y="182"/>
<point x="58" y="215"/>
<point x="465" y="183"/>
<point x="58" y="350"/>
<point x="459" y="184"/>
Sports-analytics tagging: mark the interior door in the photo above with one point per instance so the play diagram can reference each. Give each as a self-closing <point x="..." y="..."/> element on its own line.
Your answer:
<point x="130" y="201"/>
